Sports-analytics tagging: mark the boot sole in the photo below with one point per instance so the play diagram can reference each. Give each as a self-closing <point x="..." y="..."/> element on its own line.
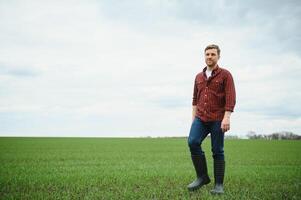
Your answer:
<point x="216" y="193"/>
<point x="198" y="187"/>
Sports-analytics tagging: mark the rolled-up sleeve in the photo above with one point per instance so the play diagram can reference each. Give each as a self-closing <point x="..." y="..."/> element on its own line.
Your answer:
<point x="230" y="93"/>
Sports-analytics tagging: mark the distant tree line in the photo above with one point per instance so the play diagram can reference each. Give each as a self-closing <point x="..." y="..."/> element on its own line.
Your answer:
<point x="231" y="137"/>
<point x="284" y="135"/>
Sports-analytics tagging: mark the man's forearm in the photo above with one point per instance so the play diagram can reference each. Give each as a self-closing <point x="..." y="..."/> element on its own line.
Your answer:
<point x="227" y="114"/>
<point x="193" y="112"/>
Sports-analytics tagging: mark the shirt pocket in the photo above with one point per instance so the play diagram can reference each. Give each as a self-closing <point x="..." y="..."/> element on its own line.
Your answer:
<point x="217" y="85"/>
<point x="201" y="85"/>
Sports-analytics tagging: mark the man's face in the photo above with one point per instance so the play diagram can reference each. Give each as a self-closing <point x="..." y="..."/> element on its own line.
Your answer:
<point x="211" y="57"/>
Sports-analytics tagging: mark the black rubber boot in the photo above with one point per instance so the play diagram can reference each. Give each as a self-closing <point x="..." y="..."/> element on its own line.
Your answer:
<point x="200" y="166"/>
<point x="219" y="172"/>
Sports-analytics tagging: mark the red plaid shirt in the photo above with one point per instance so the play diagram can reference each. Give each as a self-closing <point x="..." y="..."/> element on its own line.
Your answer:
<point x="215" y="95"/>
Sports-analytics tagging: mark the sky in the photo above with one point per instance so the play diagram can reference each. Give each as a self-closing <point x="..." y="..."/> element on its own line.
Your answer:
<point x="127" y="68"/>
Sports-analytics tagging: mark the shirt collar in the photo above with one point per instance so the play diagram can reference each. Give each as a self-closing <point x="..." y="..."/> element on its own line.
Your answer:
<point x="217" y="69"/>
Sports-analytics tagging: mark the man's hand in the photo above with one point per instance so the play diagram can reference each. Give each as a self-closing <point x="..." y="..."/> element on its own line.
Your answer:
<point x="193" y="112"/>
<point x="225" y="126"/>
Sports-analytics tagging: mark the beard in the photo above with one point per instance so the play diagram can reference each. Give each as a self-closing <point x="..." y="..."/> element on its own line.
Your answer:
<point x="210" y="63"/>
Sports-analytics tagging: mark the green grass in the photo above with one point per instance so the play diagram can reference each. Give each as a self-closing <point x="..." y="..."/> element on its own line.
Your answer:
<point x="98" y="168"/>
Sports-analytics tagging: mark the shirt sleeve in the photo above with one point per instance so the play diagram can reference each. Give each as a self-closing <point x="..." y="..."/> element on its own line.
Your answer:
<point x="230" y="93"/>
<point x="195" y="93"/>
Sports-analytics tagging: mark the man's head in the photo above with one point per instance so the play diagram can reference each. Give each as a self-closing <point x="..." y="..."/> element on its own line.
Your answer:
<point x="212" y="55"/>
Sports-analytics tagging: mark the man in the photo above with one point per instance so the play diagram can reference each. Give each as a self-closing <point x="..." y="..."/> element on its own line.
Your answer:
<point x="212" y="105"/>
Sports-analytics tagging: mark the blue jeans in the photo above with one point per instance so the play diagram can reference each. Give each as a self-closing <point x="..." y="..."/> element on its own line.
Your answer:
<point x="198" y="132"/>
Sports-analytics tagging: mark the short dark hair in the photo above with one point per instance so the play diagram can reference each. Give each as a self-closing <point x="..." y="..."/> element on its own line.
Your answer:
<point x="213" y="46"/>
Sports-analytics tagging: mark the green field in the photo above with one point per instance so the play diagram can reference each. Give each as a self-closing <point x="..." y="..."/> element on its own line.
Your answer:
<point x="143" y="168"/>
